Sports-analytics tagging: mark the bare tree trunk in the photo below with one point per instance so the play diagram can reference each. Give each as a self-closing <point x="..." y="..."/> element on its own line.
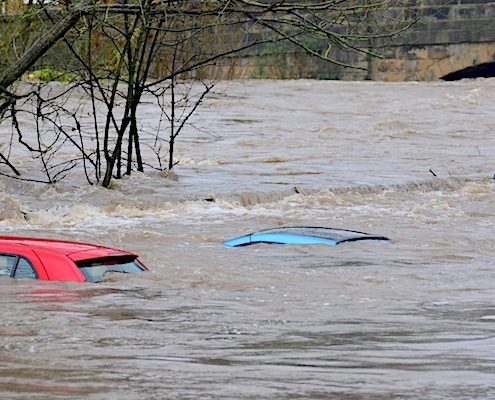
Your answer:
<point x="40" y="47"/>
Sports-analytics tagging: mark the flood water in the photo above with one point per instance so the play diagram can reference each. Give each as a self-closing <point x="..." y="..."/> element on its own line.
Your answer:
<point x="413" y="318"/>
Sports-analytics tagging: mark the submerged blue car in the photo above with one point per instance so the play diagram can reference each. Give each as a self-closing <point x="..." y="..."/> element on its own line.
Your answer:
<point x="302" y="235"/>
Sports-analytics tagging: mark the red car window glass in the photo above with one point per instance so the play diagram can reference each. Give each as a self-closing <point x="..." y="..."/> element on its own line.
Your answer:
<point x="95" y="270"/>
<point x="24" y="269"/>
<point x="7" y="264"/>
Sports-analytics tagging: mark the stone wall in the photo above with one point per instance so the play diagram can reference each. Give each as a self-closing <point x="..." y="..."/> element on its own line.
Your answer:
<point x="449" y="37"/>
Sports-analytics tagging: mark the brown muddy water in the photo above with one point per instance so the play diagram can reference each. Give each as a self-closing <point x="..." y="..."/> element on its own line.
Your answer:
<point x="409" y="319"/>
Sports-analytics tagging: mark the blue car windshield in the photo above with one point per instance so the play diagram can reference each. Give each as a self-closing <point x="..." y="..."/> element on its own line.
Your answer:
<point x="95" y="270"/>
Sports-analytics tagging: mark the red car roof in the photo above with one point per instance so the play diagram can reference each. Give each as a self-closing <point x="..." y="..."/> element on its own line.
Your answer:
<point x="61" y="260"/>
<point x="74" y="250"/>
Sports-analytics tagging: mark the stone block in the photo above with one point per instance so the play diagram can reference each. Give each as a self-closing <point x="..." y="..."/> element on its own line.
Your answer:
<point x="486" y="52"/>
<point x="468" y="12"/>
<point x="410" y="67"/>
<point x="437" y="52"/>
<point x="445" y="66"/>
<point x="388" y="70"/>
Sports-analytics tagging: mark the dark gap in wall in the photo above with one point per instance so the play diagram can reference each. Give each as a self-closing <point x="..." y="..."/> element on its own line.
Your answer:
<point x="485" y="70"/>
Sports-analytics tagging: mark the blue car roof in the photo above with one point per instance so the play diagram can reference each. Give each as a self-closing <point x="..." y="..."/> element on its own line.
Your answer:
<point x="302" y="235"/>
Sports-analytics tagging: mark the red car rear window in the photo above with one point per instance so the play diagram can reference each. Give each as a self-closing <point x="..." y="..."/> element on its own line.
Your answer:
<point x="95" y="270"/>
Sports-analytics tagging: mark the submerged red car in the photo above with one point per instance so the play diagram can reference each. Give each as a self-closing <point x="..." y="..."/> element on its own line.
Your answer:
<point x="59" y="260"/>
